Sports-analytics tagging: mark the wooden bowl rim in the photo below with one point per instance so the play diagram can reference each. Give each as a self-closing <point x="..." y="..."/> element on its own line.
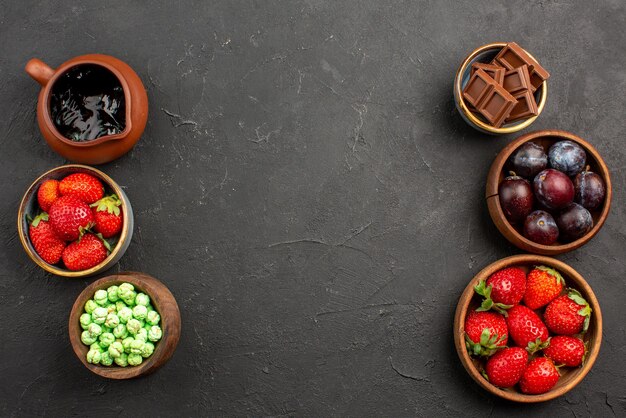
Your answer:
<point x="168" y="323"/>
<point x="524" y="259"/>
<point x="25" y="239"/>
<point x="495" y="210"/>
<point x="458" y="81"/>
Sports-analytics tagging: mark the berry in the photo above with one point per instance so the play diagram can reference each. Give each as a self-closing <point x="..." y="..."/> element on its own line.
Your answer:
<point x="528" y="160"/>
<point x="541" y="228"/>
<point x="48" y="192"/>
<point x="526" y="328"/>
<point x="539" y="377"/>
<point x="516" y="198"/>
<point x="568" y="314"/>
<point x="542" y="286"/>
<point x="505" y="368"/>
<point x="568" y="157"/>
<point x="83" y="186"/>
<point x="566" y="350"/>
<point x="45" y="241"/>
<point x="485" y="333"/>
<point x="553" y="189"/>
<point x="503" y="289"/>
<point x="89" y="251"/>
<point x="108" y="216"/>
<point x="68" y="216"/>
<point x="574" y="222"/>
<point x="589" y="189"/>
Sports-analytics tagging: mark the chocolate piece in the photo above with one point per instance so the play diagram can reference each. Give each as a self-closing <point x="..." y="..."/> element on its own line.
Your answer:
<point x="477" y="87"/>
<point x="526" y="106"/>
<point x="494" y="71"/>
<point x="517" y="80"/>
<point x="496" y="105"/>
<point x="513" y="56"/>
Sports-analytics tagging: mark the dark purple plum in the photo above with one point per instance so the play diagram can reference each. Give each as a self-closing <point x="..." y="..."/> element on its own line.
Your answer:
<point x="589" y="189"/>
<point x="528" y="160"/>
<point x="516" y="198"/>
<point x="541" y="228"/>
<point x="574" y="222"/>
<point x="568" y="157"/>
<point x="553" y="189"/>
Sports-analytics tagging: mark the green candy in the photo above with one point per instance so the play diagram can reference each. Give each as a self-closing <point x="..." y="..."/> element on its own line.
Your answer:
<point x="106" y="359"/>
<point x="94" y="356"/>
<point x="153" y="318"/>
<point x="122" y="360"/>
<point x="127" y="293"/>
<point x="155" y="333"/>
<point x="125" y="314"/>
<point x="101" y="297"/>
<point x="135" y="359"/>
<point x="126" y="344"/>
<point x="142" y="335"/>
<point x="120" y="331"/>
<point x="85" y="320"/>
<point x="133" y="326"/>
<point x="129" y="298"/>
<point x="142" y="299"/>
<point x="95" y="346"/>
<point x="111" y="308"/>
<point x="147" y="350"/>
<point x="112" y="294"/>
<point x="99" y="315"/>
<point x="112" y="320"/>
<point x="116" y="349"/>
<point x="90" y="306"/>
<point x="136" y="346"/>
<point x="119" y="305"/>
<point x="106" y="339"/>
<point x="94" y="330"/>
<point x="140" y="312"/>
<point x="87" y="338"/>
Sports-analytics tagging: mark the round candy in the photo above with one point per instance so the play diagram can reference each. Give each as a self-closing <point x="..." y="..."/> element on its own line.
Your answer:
<point x="95" y="346"/>
<point x="87" y="338"/>
<point x="112" y="320"/>
<point x="116" y="349"/>
<point x="112" y="294"/>
<point x="153" y="318"/>
<point x="140" y="312"/>
<point x="133" y="326"/>
<point x="122" y="360"/>
<point x="94" y="356"/>
<point x="142" y="299"/>
<point x="94" y="329"/>
<point x="126" y="344"/>
<point x="99" y="315"/>
<point x="120" y="331"/>
<point x="155" y="333"/>
<point x="135" y="359"/>
<point x="111" y="308"/>
<point x="142" y="335"/>
<point x="85" y="320"/>
<point x="90" y="306"/>
<point x="119" y="305"/>
<point x="106" y="359"/>
<point x="148" y="349"/>
<point x="136" y="346"/>
<point x="101" y="297"/>
<point x="125" y="314"/>
<point x="106" y="339"/>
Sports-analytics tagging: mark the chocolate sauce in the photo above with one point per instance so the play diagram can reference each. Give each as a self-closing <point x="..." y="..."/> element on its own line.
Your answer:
<point x="87" y="102"/>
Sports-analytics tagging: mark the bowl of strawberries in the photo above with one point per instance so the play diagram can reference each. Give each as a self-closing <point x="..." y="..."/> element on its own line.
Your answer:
<point x="528" y="328"/>
<point x="75" y="221"/>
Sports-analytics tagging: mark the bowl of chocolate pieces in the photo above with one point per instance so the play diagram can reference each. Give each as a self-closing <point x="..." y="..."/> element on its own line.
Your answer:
<point x="500" y="88"/>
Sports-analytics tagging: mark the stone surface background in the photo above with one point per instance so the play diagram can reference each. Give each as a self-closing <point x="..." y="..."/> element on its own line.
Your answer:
<point x="307" y="190"/>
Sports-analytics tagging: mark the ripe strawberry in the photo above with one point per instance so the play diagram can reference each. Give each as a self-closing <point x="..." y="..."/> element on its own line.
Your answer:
<point x="108" y="216"/>
<point x="46" y="242"/>
<point x="542" y="286"/>
<point x="503" y="289"/>
<point x="568" y="314"/>
<point x="539" y="377"/>
<point x="88" y="251"/>
<point x="83" y="186"/>
<point x="526" y="328"/>
<point x="505" y="368"/>
<point x="485" y="333"/>
<point x="48" y="192"/>
<point x="566" y="350"/>
<point x="68" y="216"/>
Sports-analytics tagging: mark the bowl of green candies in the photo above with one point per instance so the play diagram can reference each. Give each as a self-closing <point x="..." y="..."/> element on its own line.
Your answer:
<point x="125" y="325"/>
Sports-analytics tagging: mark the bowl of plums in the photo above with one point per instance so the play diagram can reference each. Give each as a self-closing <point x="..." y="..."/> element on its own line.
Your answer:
<point x="549" y="192"/>
<point x="528" y="328"/>
<point x="75" y="221"/>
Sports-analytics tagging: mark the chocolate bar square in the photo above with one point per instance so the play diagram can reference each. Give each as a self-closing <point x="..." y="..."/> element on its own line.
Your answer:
<point x="494" y="71"/>
<point x="526" y="106"/>
<point x="513" y="56"/>
<point x="496" y="105"/>
<point x="477" y="87"/>
<point x="517" y="80"/>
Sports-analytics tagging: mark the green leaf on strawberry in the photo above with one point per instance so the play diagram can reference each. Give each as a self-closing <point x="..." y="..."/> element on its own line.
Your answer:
<point x="111" y="204"/>
<point x="537" y="345"/>
<point x="575" y="295"/>
<point x="487" y="345"/>
<point x="43" y="216"/>
<point x="485" y="291"/>
<point x="557" y="276"/>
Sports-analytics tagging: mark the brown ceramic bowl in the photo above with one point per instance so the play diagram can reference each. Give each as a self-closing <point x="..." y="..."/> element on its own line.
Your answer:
<point x="570" y="377"/>
<point x="164" y="303"/>
<point x="513" y="233"/>
<point x="29" y="207"/>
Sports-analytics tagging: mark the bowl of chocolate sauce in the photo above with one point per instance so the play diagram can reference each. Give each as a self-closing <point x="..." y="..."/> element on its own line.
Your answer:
<point x="92" y="109"/>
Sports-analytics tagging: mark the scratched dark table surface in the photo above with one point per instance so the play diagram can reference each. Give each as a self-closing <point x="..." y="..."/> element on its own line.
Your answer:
<point x="309" y="193"/>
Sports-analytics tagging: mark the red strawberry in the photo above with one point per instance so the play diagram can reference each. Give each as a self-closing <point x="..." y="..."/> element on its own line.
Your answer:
<point x="48" y="192"/>
<point x="526" y="328"/>
<point x="85" y="253"/>
<point x="83" y="186"/>
<point x="485" y="332"/>
<point x="539" y="377"/>
<point x="505" y="368"/>
<point x="503" y="289"/>
<point x="68" y="216"/>
<point x="542" y="286"/>
<point x="568" y="314"/>
<point x="566" y="350"/>
<point x="108" y="216"/>
<point x="46" y="242"/>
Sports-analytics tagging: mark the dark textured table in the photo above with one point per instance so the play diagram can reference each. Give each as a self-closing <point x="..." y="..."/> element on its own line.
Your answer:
<point x="307" y="190"/>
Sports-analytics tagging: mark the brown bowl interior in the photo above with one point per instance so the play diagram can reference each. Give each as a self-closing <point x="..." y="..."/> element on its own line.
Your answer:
<point x="570" y="377"/>
<point x="514" y="232"/>
<point x="164" y="303"/>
